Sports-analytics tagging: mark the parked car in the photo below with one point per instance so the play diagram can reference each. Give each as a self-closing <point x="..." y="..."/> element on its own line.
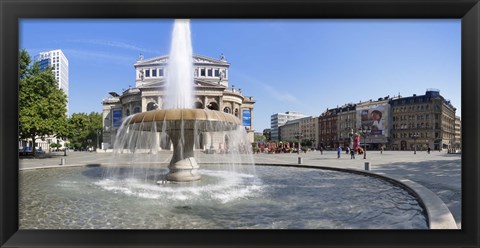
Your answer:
<point x="25" y="151"/>
<point x="28" y="151"/>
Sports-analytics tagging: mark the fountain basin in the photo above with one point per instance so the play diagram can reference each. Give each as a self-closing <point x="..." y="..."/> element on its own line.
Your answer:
<point x="200" y="119"/>
<point x="277" y="197"/>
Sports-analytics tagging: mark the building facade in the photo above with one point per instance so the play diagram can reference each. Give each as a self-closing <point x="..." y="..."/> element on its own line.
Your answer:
<point x="457" y="143"/>
<point x="211" y="91"/>
<point x="375" y="116"/>
<point x="346" y="124"/>
<point x="308" y="127"/>
<point x="327" y="129"/>
<point x="280" y="119"/>
<point x="423" y="121"/>
<point x="290" y="131"/>
<point x="57" y="60"/>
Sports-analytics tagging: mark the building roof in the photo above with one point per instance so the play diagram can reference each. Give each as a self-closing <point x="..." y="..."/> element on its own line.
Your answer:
<point x="197" y="59"/>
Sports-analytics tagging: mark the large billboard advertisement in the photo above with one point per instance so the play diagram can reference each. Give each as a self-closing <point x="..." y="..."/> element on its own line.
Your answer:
<point x="374" y="118"/>
<point x="246" y="117"/>
<point x="117" y="118"/>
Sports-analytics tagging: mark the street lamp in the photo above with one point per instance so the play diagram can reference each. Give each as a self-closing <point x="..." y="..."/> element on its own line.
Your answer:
<point x="298" y="136"/>
<point x="365" y="131"/>
<point x="415" y="137"/>
<point x="98" y="137"/>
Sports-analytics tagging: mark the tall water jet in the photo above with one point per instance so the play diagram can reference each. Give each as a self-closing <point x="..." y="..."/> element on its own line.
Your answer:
<point x="180" y="68"/>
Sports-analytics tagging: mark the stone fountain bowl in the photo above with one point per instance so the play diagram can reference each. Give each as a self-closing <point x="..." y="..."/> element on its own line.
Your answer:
<point x="181" y="126"/>
<point x="200" y="119"/>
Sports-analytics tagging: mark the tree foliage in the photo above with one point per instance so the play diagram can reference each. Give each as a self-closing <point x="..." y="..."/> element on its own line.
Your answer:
<point x="84" y="129"/>
<point x="42" y="105"/>
<point x="259" y="137"/>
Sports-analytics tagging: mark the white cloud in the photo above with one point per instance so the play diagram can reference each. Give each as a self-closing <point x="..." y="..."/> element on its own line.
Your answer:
<point x="281" y="96"/>
<point x="116" y="44"/>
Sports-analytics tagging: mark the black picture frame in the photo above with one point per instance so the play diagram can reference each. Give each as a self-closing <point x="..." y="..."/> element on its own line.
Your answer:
<point x="11" y="11"/>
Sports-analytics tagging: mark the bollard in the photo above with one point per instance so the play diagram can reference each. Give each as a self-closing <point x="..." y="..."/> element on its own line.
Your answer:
<point x="300" y="160"/>
<point x="62" y="161"/>
<point x="367" y="166"/>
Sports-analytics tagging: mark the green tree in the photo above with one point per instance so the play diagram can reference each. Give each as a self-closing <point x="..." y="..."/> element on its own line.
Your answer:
<point x="259" y="137"/>
<point x="84" y="128"/>
<point x="42" y="105"/>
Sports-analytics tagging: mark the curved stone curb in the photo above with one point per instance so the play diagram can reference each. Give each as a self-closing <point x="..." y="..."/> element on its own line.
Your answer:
<point x="438" y="214"/>
<point x="439" y="217"/>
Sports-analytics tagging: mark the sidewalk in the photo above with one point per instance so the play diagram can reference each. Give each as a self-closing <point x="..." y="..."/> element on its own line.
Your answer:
<point x="438" y="171"/>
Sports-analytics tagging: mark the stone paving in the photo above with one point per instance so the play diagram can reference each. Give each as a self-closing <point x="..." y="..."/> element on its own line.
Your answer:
<point x="438" y="171"/>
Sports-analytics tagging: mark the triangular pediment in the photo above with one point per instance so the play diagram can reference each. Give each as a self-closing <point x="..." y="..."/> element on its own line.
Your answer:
<point x="197" y="59"/>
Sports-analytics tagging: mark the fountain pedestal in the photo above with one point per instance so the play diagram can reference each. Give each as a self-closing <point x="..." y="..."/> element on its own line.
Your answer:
<point x="183" y="166"/>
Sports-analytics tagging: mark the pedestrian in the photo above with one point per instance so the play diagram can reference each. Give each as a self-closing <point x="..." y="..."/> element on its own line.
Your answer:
<point x="381" y="151"/>
<point x="352" y="154"/>
<point x="347" y="151"/>
<point x="321" y="150"/>
<point x="428" y="150"/>
<point x="339" y="150"/>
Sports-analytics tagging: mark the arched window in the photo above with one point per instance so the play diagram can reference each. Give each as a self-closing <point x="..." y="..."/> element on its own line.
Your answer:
<point x="198" y="105"/>
<point x="212" y="106"/>
<point x="152" y="106"/>
<point x="236" y="112"/>
<point x="136" y="110"/>
<point x="227" y="110"/>
<point x="127" y="112"/>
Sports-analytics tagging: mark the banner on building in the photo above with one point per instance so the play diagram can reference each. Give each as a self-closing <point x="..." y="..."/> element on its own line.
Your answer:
<point x="117" y="118"/>
<point x="247" y="118"/>
<point x="374" y="119"/>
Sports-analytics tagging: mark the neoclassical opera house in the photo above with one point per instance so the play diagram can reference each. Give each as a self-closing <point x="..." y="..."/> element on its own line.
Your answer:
<point x="211" y="91"/>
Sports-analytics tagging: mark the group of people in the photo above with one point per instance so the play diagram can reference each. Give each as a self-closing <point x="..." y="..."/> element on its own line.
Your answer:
<point x="350" y="151"/>
<point x="353" y="151"/>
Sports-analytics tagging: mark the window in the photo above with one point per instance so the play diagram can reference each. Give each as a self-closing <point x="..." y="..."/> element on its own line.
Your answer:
<point x="136" y="110"/>
<point x="202" y="72"/>
<point x="160" y="72"/>
<point x="154" y="72"/>
<point x="147" y="73"/>
<point x="217" y="72"/>
<point x="209" y="72"/>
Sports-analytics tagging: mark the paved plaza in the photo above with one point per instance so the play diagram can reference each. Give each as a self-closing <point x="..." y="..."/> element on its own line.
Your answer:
<point x="438" y="171"/>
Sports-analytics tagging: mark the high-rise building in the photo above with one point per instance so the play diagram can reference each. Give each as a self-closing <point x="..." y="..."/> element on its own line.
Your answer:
<point x="57" y="60"/>
<point x="280" y="119"/>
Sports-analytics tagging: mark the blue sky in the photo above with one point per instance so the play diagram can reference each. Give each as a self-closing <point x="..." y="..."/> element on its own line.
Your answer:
<point x="286" y="65"/>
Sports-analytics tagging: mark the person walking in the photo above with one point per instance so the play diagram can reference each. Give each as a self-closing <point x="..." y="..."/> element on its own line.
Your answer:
<point x="321" y="150"/>
<point x="339" y="150"/>
<point x="428" y="150"/>
<point x="352" y="154"/>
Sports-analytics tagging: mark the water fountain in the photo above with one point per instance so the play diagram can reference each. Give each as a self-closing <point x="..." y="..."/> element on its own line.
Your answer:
<point x="178" y="120"/>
